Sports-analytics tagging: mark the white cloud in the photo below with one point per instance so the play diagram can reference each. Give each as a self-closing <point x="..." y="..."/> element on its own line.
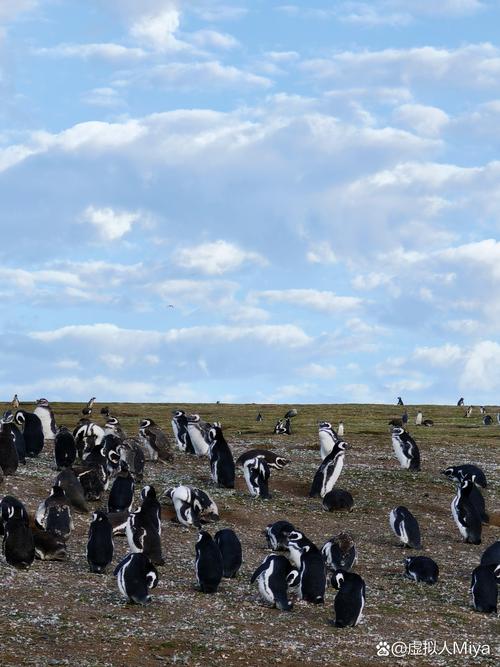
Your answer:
<point x="213" y="39"/>
<point x="113" y="361"/>
<point x="104" y="51"/>
<point x="68" y="364"/>
<point x="322" y="301"/>
<point x="102" y="97"/>
<point x="425" y="120"/>
<point x="482" y="368"/>
<point x="111" y="225"/>
<point x="216" y="258"/>
<point x="157" y="30"/>
<point x="187" y="75"/>
<point x="370" y="281"/>
<point x="320" y="371"/>
<point x="321" y="254"/>
<point x="442" y="356"/>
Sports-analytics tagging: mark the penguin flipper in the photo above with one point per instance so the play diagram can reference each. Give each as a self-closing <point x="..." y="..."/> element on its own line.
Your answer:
<point x="262" y="568"/>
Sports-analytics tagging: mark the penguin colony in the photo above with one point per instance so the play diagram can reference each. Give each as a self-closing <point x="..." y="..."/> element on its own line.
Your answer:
<point x="101" y="464"/>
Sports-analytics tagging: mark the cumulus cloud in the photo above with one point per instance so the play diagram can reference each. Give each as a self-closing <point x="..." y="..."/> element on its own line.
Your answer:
<point x="105" y="51"/>
<point x="111" y="225"/>
<point x="425" y="120"/>
<point x="324" y="301"/>
<point x="216" y="258"/>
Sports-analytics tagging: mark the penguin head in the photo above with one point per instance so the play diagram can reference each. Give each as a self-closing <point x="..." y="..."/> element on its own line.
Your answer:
<point x="292" y="578"/>
<point x="43" y="402"/>
<point x="324" y="425"/>
<point x="194" y="419"/>
<point x="178" y="413"/>
<point x="144" y="423"/>
<point x="203" y="537"/>
<point x="148" y="492"/>
<point x="57" y="492"/>
<point x="281" y="462"/>
<point x="99" y="516"/>
<point x="496" y="572"/>
<point x="112" y="421"/>
<point x="337" y="579"/>
<point x="7" y="417"/>
<point x="152" y="576"/>
<point x="397" y="430"/>
<point x="19" y="418"/>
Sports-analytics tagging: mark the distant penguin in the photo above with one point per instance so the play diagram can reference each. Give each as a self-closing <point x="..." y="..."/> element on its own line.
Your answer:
<point x="466" y="515"/>
<point x="273" y="460"/>
<point x="427" y="422"/>
<point x="9" y="458"/>
<point x="312" y="575"/>
<point x="405" y="526"/>
<point x="209" y="565"/>
<point x="10" y="426"/>
<point x="339" y="552"/>
<point x="121" y="495"/>
<point x="468" y="412"/>
<point x="15" y="402"/>
<point x="221" y="458"/>
<point x="421" y="568"/>
<point x="329" y="471"/>
<point x="277" y="535"/>
<point x="100" y="543"/>
<point x="181" y="434"/>
<point x="283" y="427"/>
<point x="466" y="471"/>
<point x="192" y="505"/>
<point x="155" y="441"/>
<point x="54" y="514"/>
<point x="73" y="489"/>
<point x="136" y="575"/>
<point x="482" y="409"/>
<point x="46" y="416"/>
<point x="144" y="527"/>
<point x="406" y="449"/>
<point x="350" y="599"/>
<point x="32" y="431"/>
<point x="291" y="413"/>
<point x="87" y="410"/>
<point x="273" y="576"/>
<point x="460" y="402"/>
<point x="338" y="500"/>
<point x="491" y="555"/>
<point x="404" y="419"/>
<point x="487" y="420"/>
<point x="328" y="438"/>
<point x="256" y="472"/>
<point x="340" y="429"/>
<point x="18" y="542"/>
<point x="198" y="432"/>
<point x="418" y="418"/>
<point x="230" y="548"/>
<point x="400" y="401"/>
<point x="64" y="448"/>
<point x="259" y="418"/>
<point x="484" y="588"/>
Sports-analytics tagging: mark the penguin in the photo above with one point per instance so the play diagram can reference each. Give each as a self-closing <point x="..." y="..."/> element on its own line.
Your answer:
<point x="135" y="575"/>
<point x="105" y="412"/>
<point x="476" y="498"/>
<point x="484" y="588"/>
<point x="338" y="499"/>
<point x="498" y="417"/>
<point x="256" y="472"/>
<point x="418" y="418"/>
<point x="400" y="401"/>
<point x="12" y="508"/>
<point x="144" y="527"/>
<point x="427" y="422"/>
<point x="100" y="543"/>
<point x="73" y="489"/>
<point x="47" y="545"/>
<point x="465" y="513"/>
<point x="328" y="438"/>
<point x="131" y="452"/>
<point x="15" y="402"/>
<point x="466" y="471"/>
<point x="277" y="535"/>
<point x="405" y="526"/>
<point x="273" y="460"/>
<point x="421" y="568"/>
<point x="350" y="599"/>
<point x="291" y="413"/>
<point x="93" y="479"/>
<point x="87" y="435"/>
<point x="192" y="506"/>
<point x="54" y="514"/>
<point x="121" y="495"/>
<point x="491" y="555"/>
<point x="11" y="427"/>
<point x="406" y="449"/>
<point x="230" y="548"/>
<point x="113" y="426"/>
<point x="482" y="410"/>
<point x="9" y="459"/>
<point x="340" y="429"/>
<point x="181" y="434"/>
<point x="119" y="521"/>
<point x="460" y="403"/>
<point x="46" y="416"/>
<point x="487" y="420"/>
<point x="295" y="543"/>
<point x="221" y="458"/>
<point x="283" y="427"/>
<point x="32" y="431"/>
<point x="329" y="471"/>
<point x="64" y="448"/>
<point x="274" y="575"/>
<point x="87" y="410"/>
<point x="18" y="543"/>
<point x="312" y="574"/>
<point x="404" y="419"/>
<point x="339" y="553"/>
<point x="155" y="441"/>
<point x="468" y="412"/>
<point x="259" y="417"/>
<point x="198" y="432"/>
<point x="209" y="565"/>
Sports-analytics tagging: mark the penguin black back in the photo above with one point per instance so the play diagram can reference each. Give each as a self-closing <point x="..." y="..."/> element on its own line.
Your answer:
<point x="209" y="563"/>
<point x="230" y="548"/>
<point x="100" y="543"/>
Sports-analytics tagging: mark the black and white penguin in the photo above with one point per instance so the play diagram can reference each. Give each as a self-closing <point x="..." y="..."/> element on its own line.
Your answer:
<point x="46" y="416"/>
<point x="277" y="535"/>
<point x="100" y="543"/>
<point x="406" y="449"/>
<point x="131" y="452"/>
<point x="405" y="526"/>
<point x="11" y="427"/>
<point x="419" y="418"/>
<point x="181" y="434"/>
<point x="87" y="435"/>
<point x="136" y="575"/>
<point x="11" y="507"/>
<point x="476" y="498"/>
<point x="144" y="527"/>
<point x="283" y="427"/>
<point x="466" y="471"/>
<point x="230" y="548"/>
<point x="312" y="574"/>
<point x="484" y="588"/>
<point x="400" y="401"/>
<point x="350" y="599"/>
<point x="339" y="552"/>
<point x="293" y="412"/>
<point x="192" y="506"/>
<point x="209" y="565"/>
<point x="93" y="479"/>
<point x="18" y="543"/>
<point x="121" y="494"/>
<point x="221" y="458"/>
<point x="64" y="448"/>
<point x="466" y="514"/>
<point x="338" y="500"/>
<point x="256" y="472"/>
<point x="329" y="470"/>
<point x="468" y="412"/>
<point x="73" y="489"/>
<point x="87" y="410"/>
<point x="9" y="459"/>
<point x="273" y="460"/>
<point x="328" y="438"/>
<point x="259" y="417"/>
<point x="340" y="429"/>
<point x="460" y="402"/>
<point x="15" y="402"/>
<point x="32" y="431"/>
<point x="114" y="427"/>
<point x="54" y="514"/>
<point x="154" y="441"/>
<point x="199" y="433"/>
<point x="273" y="576"/>
<point x="491" y="555"/>
<point x="421" y="568"/>
<point x="487" y="420"/>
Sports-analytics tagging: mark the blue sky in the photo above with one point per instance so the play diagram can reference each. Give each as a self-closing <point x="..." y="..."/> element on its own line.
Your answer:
<point x="250" y="201"/>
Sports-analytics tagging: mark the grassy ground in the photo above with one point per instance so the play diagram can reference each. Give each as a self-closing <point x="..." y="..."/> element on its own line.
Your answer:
<point x="61" y="614"/>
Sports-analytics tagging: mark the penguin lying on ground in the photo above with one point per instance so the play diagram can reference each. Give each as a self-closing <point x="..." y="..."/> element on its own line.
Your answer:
<point x="339" y="552"/>
<point x="421" y="568"/>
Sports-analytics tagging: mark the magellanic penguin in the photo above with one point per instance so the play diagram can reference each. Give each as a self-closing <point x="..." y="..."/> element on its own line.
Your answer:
<point x="87" y="435"/>
<point x="312" y="574"/>
<point x="221" y="458"/>
<point x="484" y="588"/>
<point x="64" y="448"/>
<point x="192" y="506"/>
<point x="466" y="471"/>
<point x="491" y="555"/>
<point x="283" y="427"/>
<point x="256" y="472"/>
<point x="87" y="410"/>
<point x="466" y="514"/>
<point x="230" y="548"/>
<point x="350" y="599"/>
<point x="136" y="575"/>
<point x="460" y="402"/>
<point x="114" y="427"/>
<point x="328" y="438"/>
<point x="273" y="576"/>
<point x="419" y="418"/>
<point x="121" y="495"/>
<point x="421" y="568"/>
<point x="406" y="527"/>
<point x="144" y="527"/>
<point x="400" y="401"/>
<point x="131" y="452"/>
<point x="406" y="449"/>
<point x="11" y="507"/>
<point x="273" y="460"/>
<point x="338" y="500"/>
<point x="198" y="432"/>
<point x="100" y="543"/>
<point x="9" y="459"/>
<point x="54" y="514"/>
<point x="32" y="431"/>
<point x="340" y="552"/>
<point x="8" y="424"/>
<point x="15" y="402"/>
<point x="209" y="565"/>
<point x="277" y="535"/>
<point x="155" y="441"/>
<point x="46" y="416"/>
<point x="73" y="489"/>
<point x="18" y="542"/>
<point x="181" y="434"/>
<point x="329" y="470"/>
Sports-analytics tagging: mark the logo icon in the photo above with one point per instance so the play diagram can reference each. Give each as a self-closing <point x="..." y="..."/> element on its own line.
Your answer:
<point x="383" y="649"/>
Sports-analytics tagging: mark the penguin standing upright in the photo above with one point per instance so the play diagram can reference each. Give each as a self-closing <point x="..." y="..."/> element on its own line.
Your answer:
<point x="221" y="458"/>
<point x="209" y="565"/>
<point x="100" y="543"/>
<point x="135" y="575"/>
<point x="256" y="472"/>
<point x="54" y="514"/>
<point x="64" y="448"/>
<point x="15" y="402"/>
<point x="9" y="459"/>
<point x="32" y="431"/>
<point x="198" y="432"/>
<point x="46" y="416"/>
<point x="328" y="438"/>
<point x="350" y="599"/>
<point x="18" y="542"/>
<point x="230" y="548"/>
<point x="17" y="435"/>
<point x="155" y="441"/>
<point x="418" y="418"/>
<point x="340" y="429"/>
<point x="329" y="471"/>
<point x="312" y="575"/>
<point x="274" y="575"/>
<point x="406" y="527"/>
<point x="406" y="449"/>
<point x="73" y="489"/>
<point x="144" y="527"/>
<point x="400" y="401"/>
<point x="460" y="402"/>
<point x="121" y="494"/>
<point x="484" y="588"/>
<point x="181" y="434"/>
<point x="466" y="514"/>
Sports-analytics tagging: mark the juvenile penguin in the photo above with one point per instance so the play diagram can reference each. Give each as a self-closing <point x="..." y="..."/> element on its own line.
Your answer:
<point x="100" y="543"/>
<point x="9" y="459"/>
<point x="312" y="575"/>
<point x="406" y="449"/>
<point x="277" y="535"/>
<point x="136" y="575"/>
<point x="155" y="441"/>
<point x="256" y="472"/>
<point x="230" y="548"/>
<point x="181" y="434"/>
<point x="121" y="495"/>
<point x="329" y="471"/>
<point x="144" y="527"/>
<point x="64" y="448"/>
<point x="350" y="599"/>
<point x="465" y="514"/>
<point x="209" y="565"/>
<point x="54" y="514"/>
<point x="198" y="432"/>
<point x="32" y="431"/>
<point x="339" y="552"/>
<point x="405" y="526"/>
<point x="46" y="416"/>
<point x="421" y="568"/>
<point x="273" y="460"/>
<point x="484" y="588"/>
<point x="273" y="576"/>
<point x="221" y="458"/>
<point x="73" y="489"/>
<point x="338" y="500"/>
<point x="328" y="438"/>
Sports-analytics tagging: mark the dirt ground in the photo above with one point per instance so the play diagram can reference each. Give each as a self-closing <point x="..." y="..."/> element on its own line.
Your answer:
<point x="58" y="613"/>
